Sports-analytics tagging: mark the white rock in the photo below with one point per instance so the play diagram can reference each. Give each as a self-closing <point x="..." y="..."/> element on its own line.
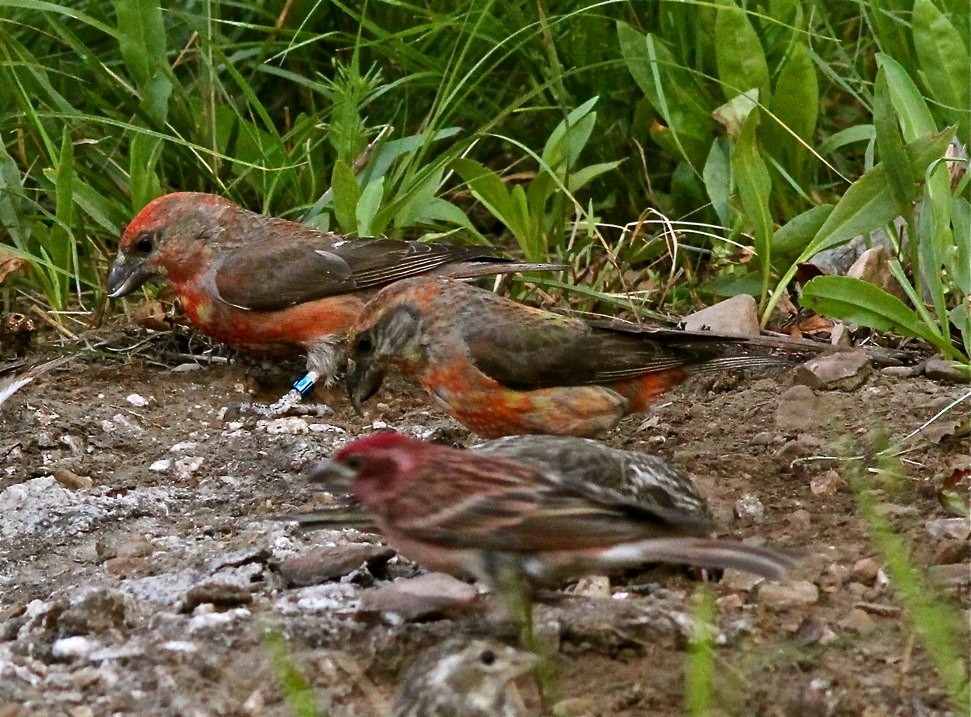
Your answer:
<point x="160" y="466"/>
<point x="798" y="593"/>
<point x="77" y="646"/>
<point x="949" y="528"/>
<point x="136" y="400"/>
<point x="737" y="315"/>
<point x="184" y="447"/>
<point x="288" y="424"/>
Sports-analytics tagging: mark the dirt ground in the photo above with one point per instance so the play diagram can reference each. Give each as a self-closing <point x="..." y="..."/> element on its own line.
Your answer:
<point x="148" y="577"/>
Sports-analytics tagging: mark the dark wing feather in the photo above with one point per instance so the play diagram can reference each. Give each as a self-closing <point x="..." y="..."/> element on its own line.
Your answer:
<point x="272" y="275"/>
<point x="518" y="508"/>
<point x="529" y="349"/>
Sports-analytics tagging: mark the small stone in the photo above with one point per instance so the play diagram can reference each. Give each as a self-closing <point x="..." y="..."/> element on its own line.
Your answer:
<point x="68" y="648"/>
<point x="185" y="467"/>
<point x="765" y="438"/>
<point x="327" y="563"/>
<point x="949" y="528"/>
<point x="96" y="612"/>
<point x="417" y="598"/>
<point x="136" y="400"/>
<point x="899" y="371"/>
<point x="873" y="267"/>
<point x="780" y="596"/>
<point x="740" y="580"/>
<point x="841" y="371"/>
<point x="737" y="315"/>
<point x="184" y="447"/>
<point x="70" y="479"/>
<point x="124" y="567"/>
<point x="160" y="466"/>
<point x="827" y="483"/>
<point x="857" y="621"/>
<point x="866" y="570"/>
<point x="840" y="335"/>
<point x="593" y="586"/>
<point x="799" y="518"/>
<point x="730" y="603"/>
<point x="288" y="424"/>
<point x="952" y="551"/>
<point x="951" y="576"/>
<point x="749" y="509"/>
<point x="945" y="371"/>
<point x="798" y="409"/>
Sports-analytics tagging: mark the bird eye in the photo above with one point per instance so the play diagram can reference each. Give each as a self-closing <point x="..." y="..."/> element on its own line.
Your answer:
<point x="355" y="463"/>
<point x="364" y="345"/>
<point x="487" y="657"/>
<point x="145" y="244"/>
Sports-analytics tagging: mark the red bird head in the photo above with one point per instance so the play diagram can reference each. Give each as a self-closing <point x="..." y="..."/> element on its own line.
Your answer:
<point x="376" y="465"/>
<point x="165" y="239"/>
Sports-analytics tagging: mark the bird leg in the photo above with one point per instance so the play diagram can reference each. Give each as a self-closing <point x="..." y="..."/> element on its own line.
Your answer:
<point x="290" y="404"/>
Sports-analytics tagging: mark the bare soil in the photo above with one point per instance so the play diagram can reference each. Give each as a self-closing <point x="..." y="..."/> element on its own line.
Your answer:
<point x="156" y="588"/>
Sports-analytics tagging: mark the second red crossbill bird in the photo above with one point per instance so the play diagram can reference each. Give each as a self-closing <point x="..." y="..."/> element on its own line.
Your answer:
<point x="270" y="286"/>
<point x="501" y="368"/>
<point x="473" y="514"/>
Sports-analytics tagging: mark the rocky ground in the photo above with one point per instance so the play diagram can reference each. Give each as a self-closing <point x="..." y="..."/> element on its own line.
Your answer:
<point x="145" y="567"/>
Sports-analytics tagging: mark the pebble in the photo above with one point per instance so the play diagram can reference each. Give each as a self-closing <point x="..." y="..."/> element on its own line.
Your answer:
<point x="737" y="315"/>
<point x="293" y="425"/>
<point x="873" y="266"/>
<point x="72" y="647"/>
<point x="96" y="612"/>
<point x="799" y="518"/>
<point x="136" y="400"/>
<point x="865" y="570"/>
<point x="70" y="479"/>
<point x="160" y="466"/>
<point x="780" y="596"/>
<point x="899" y="371"/>
<point x="749" y="509"/>
<point x="841" y="371"/>
<point x="417" y="598"/>
<point x="185" y="467"/>
<point x="857" y="621"/>
<point x="740" y="580"/>
<point x="955" y="575"/>
<point x="327" y="563"/>
<point x="798" y="409"/>
<point x="949" y="528"/>
<point x="593" y="586"/>
<point x="952" y="551"/>
<point x="827" y="483"/>
<point x="730" y="603"/>
<point x="944" y="371"/>
<point x="764" y="438"/>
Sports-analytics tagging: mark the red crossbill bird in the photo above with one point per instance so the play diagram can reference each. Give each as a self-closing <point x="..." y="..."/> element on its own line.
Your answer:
<point x="502" y="368"/>
<point x="469" y="513"/>
<point x="270" y="286"/>
<point x="471" y="679"/>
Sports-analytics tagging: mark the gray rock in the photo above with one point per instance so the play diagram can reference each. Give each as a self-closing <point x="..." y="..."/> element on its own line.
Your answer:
<point x="955" y="575"/>
<point x="949" y="528"/>
<point x="858" y="621"/>
<point x="327" y="563"/>
<point x="737" y="315"/>
<point x="945" y="371"/>
<point x="749" y="509"/>
<point x="418" y="598"/>
<point x="780" y="596"/>
<point x="840" y="371"/>
<point x="798" y="409"/>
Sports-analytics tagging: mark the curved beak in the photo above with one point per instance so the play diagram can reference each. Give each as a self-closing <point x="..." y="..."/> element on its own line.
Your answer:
<point x="126" y="275"/>
<point x="364" y="378"/>
<point x="331" y="473"/>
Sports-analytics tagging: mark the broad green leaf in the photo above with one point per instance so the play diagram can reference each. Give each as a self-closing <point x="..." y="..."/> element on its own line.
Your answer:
<point x="487" y="187"/>
<point x="570" y="136"/>
<point x="867" y="204"/>
<point x="739" y="54"/>
<point x="892" y="33"/>
<point x="893" y="152"/>
<point x="141" y="39"/>
<point x="944" y="62"/>
<point x="717" y="176"/>
<point x="367" y="207"/>
<point x="850" y="135"/>
<point x="958" y="260"/>
<point x="440" y="210"/>
<point x="915" y="118"/>
<point x="394" y="149"/>
<point x="672" y="91"/>
<point x="860" y="302"/>
<point x="795" y="103"/>
<point x="794" y="236"/>
<point x="754" y="186"/>
<point x="11" y="200"/>
<point x="346" y="197"/>
<point x="575" y="181"/>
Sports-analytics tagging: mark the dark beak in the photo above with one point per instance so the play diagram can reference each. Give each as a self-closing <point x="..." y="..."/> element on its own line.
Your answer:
<point x="126" y="275"/>
<point x="332" y="474"/>
<point x="364" y="379"/>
